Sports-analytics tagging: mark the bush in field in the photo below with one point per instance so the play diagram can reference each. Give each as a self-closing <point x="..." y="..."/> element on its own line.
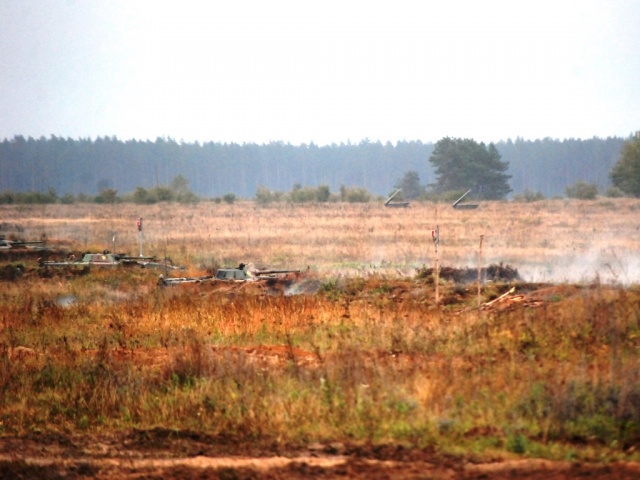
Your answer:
<point x="323" y="193"/>
<point x="163" y="194"/>
<point x="614" y="192"/>
<point x="68" y="199"/>
<point x="354" y="195"/>
<point x="107" y="195"/>
<point x="30" y="198"/>
<point x="298" y="194"/>
<point x="34" y="198"/>
<point x="229" y="198"/>
<point x="142" y="196"/>
<point x="264" y="196"/>
<point x="7" y="198"/>
<point x="582" y="191"/>
<point x="528" y="196"/>
<point x="301" y="194"/>
<point x="181" y="192"/>
<point x="187" y="197"/>
<point x="448" y="197"/>
<point x="177" y="191"/>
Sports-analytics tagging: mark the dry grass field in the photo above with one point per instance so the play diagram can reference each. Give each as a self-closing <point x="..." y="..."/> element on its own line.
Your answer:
<point x="552" y="240"/>
<point x="359" y="374"/>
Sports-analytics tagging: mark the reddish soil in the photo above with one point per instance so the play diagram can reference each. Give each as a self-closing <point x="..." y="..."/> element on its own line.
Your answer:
<point x="161" y="453"/>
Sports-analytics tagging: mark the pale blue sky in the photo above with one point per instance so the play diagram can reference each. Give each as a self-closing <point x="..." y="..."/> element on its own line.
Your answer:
<point x="319" y="71"/>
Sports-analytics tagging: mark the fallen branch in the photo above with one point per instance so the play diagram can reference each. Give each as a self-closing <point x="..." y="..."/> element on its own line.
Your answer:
<point x="511" y="290"/>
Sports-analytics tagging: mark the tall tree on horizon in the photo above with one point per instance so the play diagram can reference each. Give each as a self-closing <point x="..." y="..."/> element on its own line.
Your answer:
<point x="625" y="174"/>
<point x="410" y="185"/>
<point x="462" y="164"/>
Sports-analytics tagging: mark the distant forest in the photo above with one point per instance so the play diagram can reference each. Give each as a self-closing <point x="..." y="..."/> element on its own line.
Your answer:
<point x="87" y="166"/>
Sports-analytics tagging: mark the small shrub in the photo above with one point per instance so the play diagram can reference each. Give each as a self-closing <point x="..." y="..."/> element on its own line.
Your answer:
<point x="7" y="198"/>
<point x="142" y="196"/>
<point x="323" y="193"/>
<point x="614" y="192"/>
<point x="229" y="198"/>
<point x="357" y="195"/>
<point x="68" y="199"/>
<point x="107" y="195"/>
<point x="518" y="443"/>
<point x="163" y="194"/>
<point x="332" y="288"/>
<point x="582" y="191"/>
<point x="302" y="195"/>
<point x="264" y="196"/>
<point x="187" y="197"/>
<point x="528" y="196"/>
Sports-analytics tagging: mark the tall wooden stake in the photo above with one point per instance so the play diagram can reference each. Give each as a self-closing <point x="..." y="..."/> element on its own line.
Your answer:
<point x="480" y="272"/>
<point x="139" y="225"/>
<point x="436" y="241"/>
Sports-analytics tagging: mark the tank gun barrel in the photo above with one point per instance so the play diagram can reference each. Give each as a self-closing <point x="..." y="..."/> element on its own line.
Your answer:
<point x="20" y="243"/>
<point x="392" y="196"/>
<point x="273" y="272"/>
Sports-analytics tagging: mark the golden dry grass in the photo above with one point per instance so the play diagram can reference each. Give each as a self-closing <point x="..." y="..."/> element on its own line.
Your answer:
<point x="551" y="240"/>
<point x="369" y="358"/>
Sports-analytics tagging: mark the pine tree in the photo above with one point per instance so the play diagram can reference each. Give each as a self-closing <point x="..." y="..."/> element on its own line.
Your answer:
<point x="463" y="164"/>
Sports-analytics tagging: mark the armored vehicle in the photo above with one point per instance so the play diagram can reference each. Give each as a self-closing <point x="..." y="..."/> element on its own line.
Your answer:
<point x="104" y="259"/>
<point x="11" y="250"/>
<point x="242" y="273"/>
<point x="247" y="273"/>
<point x="233" y="274"/>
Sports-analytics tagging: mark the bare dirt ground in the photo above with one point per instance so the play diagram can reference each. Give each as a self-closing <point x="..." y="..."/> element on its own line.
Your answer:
<point x="162" y="453"/>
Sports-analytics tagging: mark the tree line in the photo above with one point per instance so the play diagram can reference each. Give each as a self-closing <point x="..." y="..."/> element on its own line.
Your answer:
<point x="64" y="166"/>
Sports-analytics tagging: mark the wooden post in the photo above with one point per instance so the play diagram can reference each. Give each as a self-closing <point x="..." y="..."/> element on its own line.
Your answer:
<point x="480" y="272"/>
<point x="436" y="241"/>
<point x="139" y="225"/>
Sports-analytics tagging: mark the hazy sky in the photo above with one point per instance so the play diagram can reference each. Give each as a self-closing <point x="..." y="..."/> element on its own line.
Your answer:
<point x="319" y="71"/>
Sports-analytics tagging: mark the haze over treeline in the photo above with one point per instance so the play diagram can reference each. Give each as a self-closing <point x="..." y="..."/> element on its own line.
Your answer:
<point x="214" y="169"/>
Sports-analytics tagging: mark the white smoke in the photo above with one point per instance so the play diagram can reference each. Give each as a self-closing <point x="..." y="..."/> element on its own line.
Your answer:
<point x="596" y="265"/>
